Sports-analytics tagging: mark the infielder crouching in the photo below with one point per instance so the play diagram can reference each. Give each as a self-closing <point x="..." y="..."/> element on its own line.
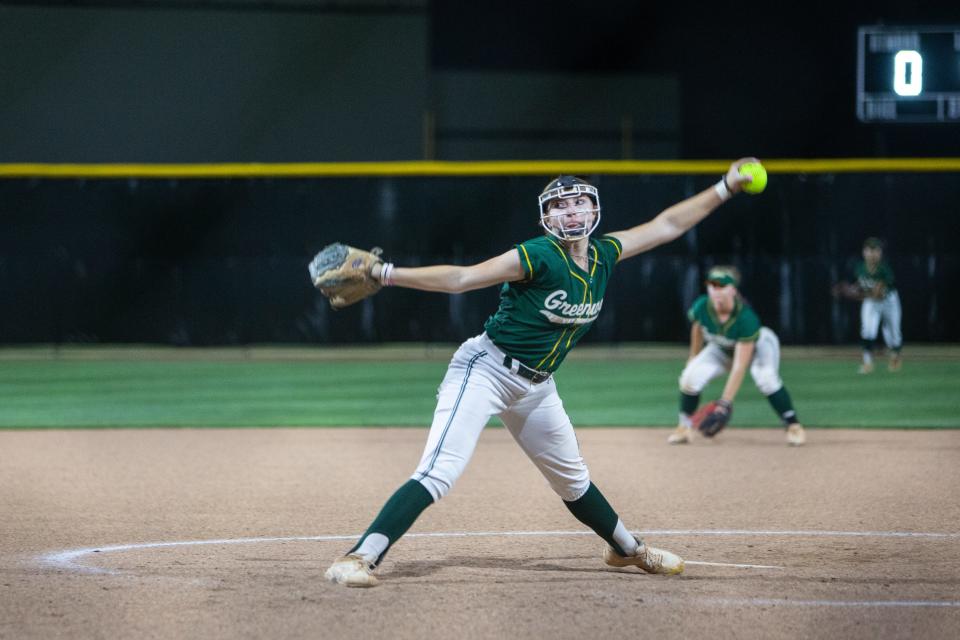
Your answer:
<point x="735" y="342"/>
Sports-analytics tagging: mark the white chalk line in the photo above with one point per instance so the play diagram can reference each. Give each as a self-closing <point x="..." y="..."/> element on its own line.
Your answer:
<point x="67" y="559"/>
<point x="772" y="602"/>
<point x="732" y="564"/>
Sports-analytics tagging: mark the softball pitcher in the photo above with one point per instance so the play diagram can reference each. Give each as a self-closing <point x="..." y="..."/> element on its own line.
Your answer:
<point x="553" y="289"/>
<point x="735" y="341"/>
<point x="881" y="302"/>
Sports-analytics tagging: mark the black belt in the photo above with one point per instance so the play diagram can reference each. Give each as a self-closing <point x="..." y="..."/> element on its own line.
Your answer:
<point x="534" y="376"/>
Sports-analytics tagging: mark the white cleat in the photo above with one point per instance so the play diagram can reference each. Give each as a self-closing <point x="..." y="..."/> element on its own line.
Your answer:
<point x="352" y="571"/>
<point x="865" y="368"/>
<point x="796" y="435"/>
<point x="681" y="435"/>
<point x="648" y="559"/>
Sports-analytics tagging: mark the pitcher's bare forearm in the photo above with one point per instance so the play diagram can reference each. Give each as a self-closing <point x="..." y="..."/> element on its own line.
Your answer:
<point x="668" y="225"/>
<point x="676" y="220"/>
<point x="450" y="278"/>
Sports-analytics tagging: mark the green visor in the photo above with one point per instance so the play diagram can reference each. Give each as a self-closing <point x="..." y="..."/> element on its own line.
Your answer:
<point x="721" y="278"/>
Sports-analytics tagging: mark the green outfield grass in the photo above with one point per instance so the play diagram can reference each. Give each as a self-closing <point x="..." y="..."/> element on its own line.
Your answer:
<point x="143" y="391"/>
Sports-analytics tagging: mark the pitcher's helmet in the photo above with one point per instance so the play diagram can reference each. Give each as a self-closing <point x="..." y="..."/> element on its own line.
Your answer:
<point x="564" y="187"/>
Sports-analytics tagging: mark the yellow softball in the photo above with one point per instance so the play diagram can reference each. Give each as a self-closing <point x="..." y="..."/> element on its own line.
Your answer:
<point x="756" y="171"/>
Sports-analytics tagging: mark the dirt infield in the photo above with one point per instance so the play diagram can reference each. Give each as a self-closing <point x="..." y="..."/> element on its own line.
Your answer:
<point x="226" y="533"/>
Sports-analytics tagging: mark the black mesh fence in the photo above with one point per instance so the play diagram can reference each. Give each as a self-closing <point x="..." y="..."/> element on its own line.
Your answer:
<point x="205" y="262"/>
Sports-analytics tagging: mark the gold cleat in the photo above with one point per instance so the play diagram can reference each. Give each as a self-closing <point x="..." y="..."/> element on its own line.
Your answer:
<point x="352" y="571"/>
<point x="681" y="435"/>
<point x="648" y="559"/>
<point x="895" y="363"/>
<point x="796" y="435"/>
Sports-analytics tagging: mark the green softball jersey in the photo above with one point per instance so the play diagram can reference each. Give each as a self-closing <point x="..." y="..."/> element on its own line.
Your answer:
<point x="882" y="275"/>
<point x="543" y="316"/>
<point x="743" y="325"/>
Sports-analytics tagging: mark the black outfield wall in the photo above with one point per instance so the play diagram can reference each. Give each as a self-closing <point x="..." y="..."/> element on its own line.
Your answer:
<point x="204" y="261"/>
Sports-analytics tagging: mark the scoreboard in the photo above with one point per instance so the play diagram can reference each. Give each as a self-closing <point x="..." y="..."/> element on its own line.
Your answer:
<point x="908" y="74"/>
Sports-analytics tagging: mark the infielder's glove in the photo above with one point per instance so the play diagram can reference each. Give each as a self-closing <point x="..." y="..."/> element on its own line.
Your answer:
<point x="344" y="273"/>
<point x="847" y="290"/>
<point x="712" y="417"/>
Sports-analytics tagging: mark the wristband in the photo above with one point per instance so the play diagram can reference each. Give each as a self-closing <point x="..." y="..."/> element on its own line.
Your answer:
<point x="723" y="190"/>
<point x="386" y="271"/>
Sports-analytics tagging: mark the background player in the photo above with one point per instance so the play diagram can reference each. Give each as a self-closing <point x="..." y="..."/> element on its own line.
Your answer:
<point x="553" y="288"/>
<point x="734" y="341"/>
<point x="881" y="302"/>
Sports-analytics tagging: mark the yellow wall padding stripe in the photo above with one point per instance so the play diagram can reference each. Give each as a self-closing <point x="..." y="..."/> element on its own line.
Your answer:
<point x="437" y="168"/>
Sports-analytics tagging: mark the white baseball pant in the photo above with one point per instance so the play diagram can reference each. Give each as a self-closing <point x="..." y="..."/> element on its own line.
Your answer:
<point x="887" y="309"/>
<point x="712" y="361"/>
<point x="477" y="386"/>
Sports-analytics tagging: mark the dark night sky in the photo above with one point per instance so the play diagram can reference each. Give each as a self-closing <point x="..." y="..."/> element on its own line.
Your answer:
<point x="772" y="81"/>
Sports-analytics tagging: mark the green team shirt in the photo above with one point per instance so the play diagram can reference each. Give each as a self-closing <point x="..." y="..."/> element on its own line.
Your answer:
<point x="743" y="325"/>
<point x="542" y="317"/>
<point x="882" y="275"/>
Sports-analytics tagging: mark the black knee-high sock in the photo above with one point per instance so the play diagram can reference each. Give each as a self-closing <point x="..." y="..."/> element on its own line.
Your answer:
<point x="781" y="403"/>
<point x="398" y="514"/>
<point x="688" y="403"/>
<point x="593" y="510"/>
